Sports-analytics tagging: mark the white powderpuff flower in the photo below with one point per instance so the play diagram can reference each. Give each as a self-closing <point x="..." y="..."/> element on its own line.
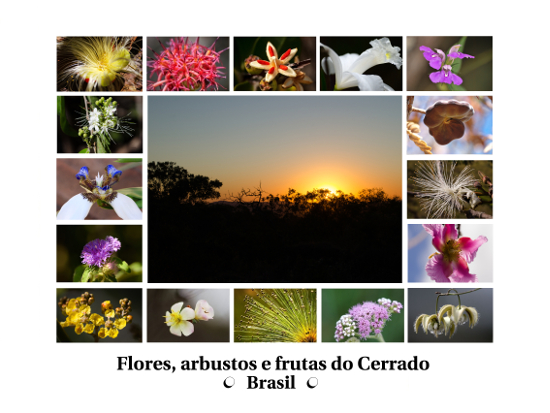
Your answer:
<point x="441" y="193"/>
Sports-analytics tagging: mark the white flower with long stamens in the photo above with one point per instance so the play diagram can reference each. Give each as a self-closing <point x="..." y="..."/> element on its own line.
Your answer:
<point x="440" y="191"/>
<point x="349" y="68"/>
<point x="102" y="121"/>
<point x="275" y="65"/>
<point x="99" y="189"/>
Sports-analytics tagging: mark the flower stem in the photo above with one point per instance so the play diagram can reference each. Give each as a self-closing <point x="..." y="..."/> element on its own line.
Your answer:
<point x="448" y="293"/>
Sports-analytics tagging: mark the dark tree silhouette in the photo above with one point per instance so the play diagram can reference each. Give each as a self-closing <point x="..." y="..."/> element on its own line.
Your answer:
<point x="315" y="236"/>
<point x="167" y="181"/>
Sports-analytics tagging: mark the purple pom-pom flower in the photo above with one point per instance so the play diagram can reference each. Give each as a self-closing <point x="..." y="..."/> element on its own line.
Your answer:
<point x="97" y="252"/>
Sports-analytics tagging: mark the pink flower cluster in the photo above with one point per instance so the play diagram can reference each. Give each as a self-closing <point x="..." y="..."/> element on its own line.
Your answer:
<point x="370" y="317"/>
<point x="185" y="67"/>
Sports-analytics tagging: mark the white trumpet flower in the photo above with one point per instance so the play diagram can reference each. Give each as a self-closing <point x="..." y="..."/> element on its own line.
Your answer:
<point x="349" y="68"/>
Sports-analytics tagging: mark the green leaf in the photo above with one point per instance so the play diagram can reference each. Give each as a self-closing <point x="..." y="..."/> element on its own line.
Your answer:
<point x="134" y="192"/>
<point x="123" y="266"/>
<point x="77" y="275"/>
<point x="456" y="88"/>
<point x="486" y="198"/>
<point x="100" y="147"/>
<point x="103" y="204"/>
<point x="111" y="278"/>
<point x="85" y="150"/>
<point x="126" y="160"/>
<point x="65" y="126"/>
<point x="136" y="267"/>
<point x="458" y="62"/>
<point x="86" y="275"/>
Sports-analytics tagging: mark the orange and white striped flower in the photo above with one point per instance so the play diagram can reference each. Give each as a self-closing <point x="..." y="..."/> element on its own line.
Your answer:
<point x="274" y="65"/>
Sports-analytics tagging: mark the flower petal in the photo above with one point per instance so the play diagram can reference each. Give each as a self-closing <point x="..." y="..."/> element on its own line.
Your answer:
<point x="175" y="308"/>
<point x="112" y="171"/>
<point x="334" y="64"/>
<point x="125" y="207"/>
<point x="381" y="52"/>
<point x="436" y="231"/>
<point x="287" y="71"/>
<point x="458" y="55"/>
<point x="83" y="173"/>
<point x="77" y="207"/>
<point x="438" y="269"/>
<point x="203" y="310"/>
<point x="457" y="80"/>
<point x="175" y="330"/>
<point x="186" y="327"/>
<point x="258" y="65"/>
<point x="469" y="246"/>
<point x="187" y="313"/>
<point x="368" y="82"/>
<point x="449" y="232"/>
<point x="270" y="51"/>
<point x="437" y="77"/>
<point x="461" y="273"/>
<point x="285" y="58"/>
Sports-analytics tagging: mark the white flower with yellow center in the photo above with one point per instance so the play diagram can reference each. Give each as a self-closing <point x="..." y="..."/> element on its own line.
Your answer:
<point x="178" y="320"/>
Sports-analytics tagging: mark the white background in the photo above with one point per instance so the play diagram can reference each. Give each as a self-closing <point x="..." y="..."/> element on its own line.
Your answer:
<point x="507" y="375"/>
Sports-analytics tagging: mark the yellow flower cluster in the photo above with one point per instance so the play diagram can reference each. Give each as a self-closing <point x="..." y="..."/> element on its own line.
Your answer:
<point x="79" y="315"/>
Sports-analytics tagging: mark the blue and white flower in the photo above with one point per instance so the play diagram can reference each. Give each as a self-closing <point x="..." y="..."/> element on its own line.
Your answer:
<point x="99" y="189"/>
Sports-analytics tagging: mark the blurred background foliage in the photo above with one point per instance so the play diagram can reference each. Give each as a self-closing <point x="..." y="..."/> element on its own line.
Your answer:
<point x="71" y="240"/>
<point x="476" y="73"/>
<point x="68" y="140"/>
<point x="132" y="333"/>
<point x="246" y="46"/>
<point x="337" y="302"/>
<point x="413" y="204"/>
<point x="478" y="133"/>
<point x="389" y="73"/>
<point x="422" y="301"/>
<point x="159" y="301"/>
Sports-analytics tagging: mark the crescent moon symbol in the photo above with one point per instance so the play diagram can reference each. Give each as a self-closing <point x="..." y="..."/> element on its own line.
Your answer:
<point x="312" y="382"/>
<point x="231" y="383"/>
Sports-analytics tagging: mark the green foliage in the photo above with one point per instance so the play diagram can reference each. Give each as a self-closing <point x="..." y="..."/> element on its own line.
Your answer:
<point x="65" y="125"/>
<point x="457" y="65"/>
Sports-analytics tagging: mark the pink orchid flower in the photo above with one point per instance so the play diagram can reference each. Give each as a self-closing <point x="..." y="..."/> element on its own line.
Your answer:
<point x="450" y="263"/>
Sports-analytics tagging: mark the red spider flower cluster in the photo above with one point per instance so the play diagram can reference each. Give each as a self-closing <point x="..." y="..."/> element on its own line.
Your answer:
<point x="185" y="67"/>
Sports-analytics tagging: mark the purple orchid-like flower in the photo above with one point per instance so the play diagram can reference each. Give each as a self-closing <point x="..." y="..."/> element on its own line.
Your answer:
<point x="444" y="64"/>
<point x="450" y="263"/>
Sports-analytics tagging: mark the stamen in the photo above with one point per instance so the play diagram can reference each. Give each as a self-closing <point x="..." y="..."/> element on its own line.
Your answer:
<point x="283" y="67"/>
<point x="271" y="70"/>
<point x="263" y="62"/>
<point x="285" y="55"/>
<point x="271" y="52"/>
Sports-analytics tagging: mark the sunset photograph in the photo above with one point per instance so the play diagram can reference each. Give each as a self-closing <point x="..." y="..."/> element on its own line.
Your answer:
<point x="274" y="189"/>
